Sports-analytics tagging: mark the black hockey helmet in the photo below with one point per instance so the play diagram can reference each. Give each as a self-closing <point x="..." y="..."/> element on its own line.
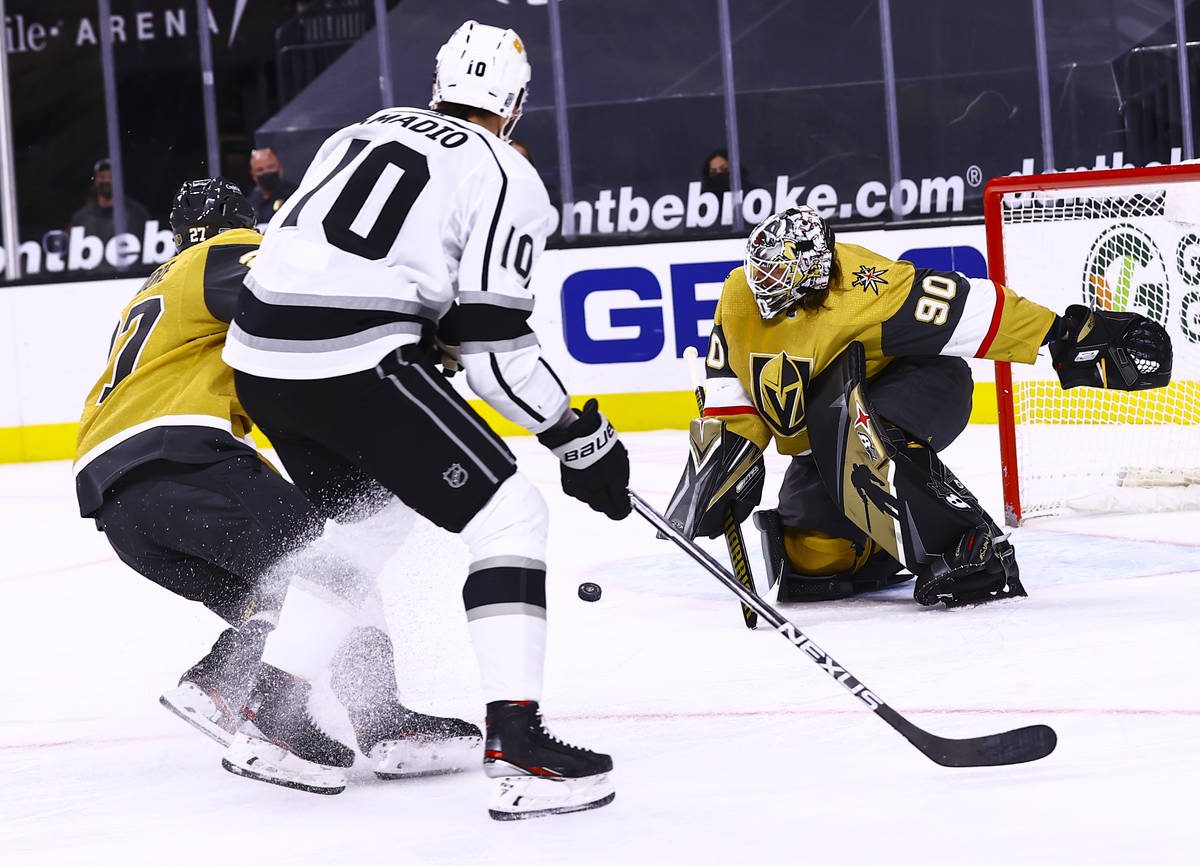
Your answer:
<point x="204" y="208"/>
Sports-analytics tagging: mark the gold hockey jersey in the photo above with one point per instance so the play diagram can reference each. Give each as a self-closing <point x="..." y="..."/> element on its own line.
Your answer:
<point x="166" y="394"/>
<point x="759" y="370"/>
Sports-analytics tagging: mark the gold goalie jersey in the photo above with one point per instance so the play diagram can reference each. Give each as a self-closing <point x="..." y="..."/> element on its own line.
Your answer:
<point x="166" y="394"/>
<point x="759" y="370"/>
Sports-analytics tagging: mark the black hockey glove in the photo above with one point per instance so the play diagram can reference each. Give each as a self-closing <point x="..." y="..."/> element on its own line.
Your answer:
<point x="724" y="472"/>
<point x="1102" y="349"/>
<point x="979" y="568"/>
<point x="595" y="465"/>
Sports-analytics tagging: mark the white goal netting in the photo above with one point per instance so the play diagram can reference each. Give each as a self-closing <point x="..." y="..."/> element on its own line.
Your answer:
<point x="1119" y="247"/>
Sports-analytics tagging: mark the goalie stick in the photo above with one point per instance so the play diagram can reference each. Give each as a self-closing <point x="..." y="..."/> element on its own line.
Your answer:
<point x="734" y="541"/>
<point x="1011" y="747"/>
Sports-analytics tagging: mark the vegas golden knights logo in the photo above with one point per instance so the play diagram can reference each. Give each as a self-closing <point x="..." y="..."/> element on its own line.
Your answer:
<point x="779" y="382"/>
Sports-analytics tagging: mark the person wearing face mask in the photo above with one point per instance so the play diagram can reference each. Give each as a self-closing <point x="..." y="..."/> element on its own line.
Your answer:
<point x="270" y="188"/>
<point x="714" y="177"/>
<point x="96" y="217"/>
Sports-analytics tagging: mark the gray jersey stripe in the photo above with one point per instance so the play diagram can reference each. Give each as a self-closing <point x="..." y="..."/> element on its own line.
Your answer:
<point x="345" y="302"/>
<point x="474" y="347"/>
<point x="333" y="344"/>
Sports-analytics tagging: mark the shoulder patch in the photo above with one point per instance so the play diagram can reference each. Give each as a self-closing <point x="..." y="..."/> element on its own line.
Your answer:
<point x="869" y="277"/>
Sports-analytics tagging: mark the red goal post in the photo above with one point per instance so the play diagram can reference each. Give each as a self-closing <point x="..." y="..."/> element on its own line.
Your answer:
<point x="1125" y="239"/>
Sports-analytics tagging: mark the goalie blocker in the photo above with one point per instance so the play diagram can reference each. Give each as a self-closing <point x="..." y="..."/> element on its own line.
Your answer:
<point x="724" y="473"/>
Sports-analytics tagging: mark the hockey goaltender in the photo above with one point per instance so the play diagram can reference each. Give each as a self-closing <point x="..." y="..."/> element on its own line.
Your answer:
<point x="853" y="363"/>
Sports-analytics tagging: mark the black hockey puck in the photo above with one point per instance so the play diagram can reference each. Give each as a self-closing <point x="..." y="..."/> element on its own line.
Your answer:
<point x="589" y="591"/>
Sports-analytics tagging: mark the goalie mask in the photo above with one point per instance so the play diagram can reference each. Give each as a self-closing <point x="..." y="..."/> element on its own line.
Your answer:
<point x="204" y="208"/>
<point x="483" y="67"/>
<point x="788" y="255"/>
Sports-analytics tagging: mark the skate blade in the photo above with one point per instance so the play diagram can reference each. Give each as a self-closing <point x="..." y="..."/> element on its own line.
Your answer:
<point x="410" y="758"/>
<point x="265" y="762"/>
<point x="518" y="797"/>
<point x="196" y="707"/>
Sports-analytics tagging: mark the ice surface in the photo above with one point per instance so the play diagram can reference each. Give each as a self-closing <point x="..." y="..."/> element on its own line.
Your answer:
<point x="730" y="746"/>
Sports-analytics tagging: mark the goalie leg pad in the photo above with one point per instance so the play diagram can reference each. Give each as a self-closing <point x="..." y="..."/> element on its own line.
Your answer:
<point x="899" y="492"/>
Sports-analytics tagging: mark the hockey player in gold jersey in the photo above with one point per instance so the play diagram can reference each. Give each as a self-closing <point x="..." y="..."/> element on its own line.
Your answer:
<point x="853" y="364"/>
<point x="166" y="468"/>
<point x="165" y="399"/>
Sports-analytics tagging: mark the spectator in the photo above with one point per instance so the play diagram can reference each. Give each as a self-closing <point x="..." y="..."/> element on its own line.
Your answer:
<point x="96" y="217"/>
<point x="715" y="175"/>
<point x="270" y="189"/>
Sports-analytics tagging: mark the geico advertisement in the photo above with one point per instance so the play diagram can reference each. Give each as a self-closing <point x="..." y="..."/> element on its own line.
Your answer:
<point x="617" y="319"/>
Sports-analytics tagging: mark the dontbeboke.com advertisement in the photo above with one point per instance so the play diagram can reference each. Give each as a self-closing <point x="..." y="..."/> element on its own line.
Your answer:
<point x="623" y="211"/>
<point x="618" y="212"/>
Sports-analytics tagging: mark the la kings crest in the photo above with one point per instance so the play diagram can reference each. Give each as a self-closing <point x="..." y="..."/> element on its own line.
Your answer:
<point x="779" y="383"/>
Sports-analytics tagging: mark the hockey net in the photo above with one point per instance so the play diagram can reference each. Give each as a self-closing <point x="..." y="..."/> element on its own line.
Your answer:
<point x="1120" y="240"/>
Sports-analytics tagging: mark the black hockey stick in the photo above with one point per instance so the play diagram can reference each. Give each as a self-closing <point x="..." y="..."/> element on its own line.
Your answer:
<point x="734" y="542"/>
<point x="1011" y="747"/>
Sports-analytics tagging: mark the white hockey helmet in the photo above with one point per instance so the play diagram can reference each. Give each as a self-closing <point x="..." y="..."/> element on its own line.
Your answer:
<point x="788" y="255"/>
<point x="483" y="67"/>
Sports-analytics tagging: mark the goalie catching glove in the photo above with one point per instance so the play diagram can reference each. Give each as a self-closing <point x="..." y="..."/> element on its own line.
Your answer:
<point x="595" y="465"/>
<point x="724" y="472"/>
<point x="1102" y="349"/>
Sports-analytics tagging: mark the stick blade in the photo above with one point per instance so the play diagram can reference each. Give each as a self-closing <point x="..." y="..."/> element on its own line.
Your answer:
<point x="1018" y="746"/>
<point x="750" y="617"/>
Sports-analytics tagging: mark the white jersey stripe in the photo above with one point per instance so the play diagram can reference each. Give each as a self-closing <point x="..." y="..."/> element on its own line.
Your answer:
<point x="725" y="393"/>
<point x="975" y="321"/>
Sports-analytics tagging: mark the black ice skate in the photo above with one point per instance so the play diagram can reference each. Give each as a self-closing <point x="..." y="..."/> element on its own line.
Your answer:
<point x="403" y="743"/>
<point x="537" y="773"/>
<point x="278" y="741"/>
<point x="211" y="692"/>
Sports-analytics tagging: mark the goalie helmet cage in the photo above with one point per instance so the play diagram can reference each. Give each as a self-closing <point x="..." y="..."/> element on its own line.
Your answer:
<point x="1125" y="239"/>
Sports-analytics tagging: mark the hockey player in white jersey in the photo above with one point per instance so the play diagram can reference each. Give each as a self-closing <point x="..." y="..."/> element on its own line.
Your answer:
<point x="411" y="219"/>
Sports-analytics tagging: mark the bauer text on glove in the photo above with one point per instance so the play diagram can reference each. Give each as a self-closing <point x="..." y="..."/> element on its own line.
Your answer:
<point x="595" y="466"/>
